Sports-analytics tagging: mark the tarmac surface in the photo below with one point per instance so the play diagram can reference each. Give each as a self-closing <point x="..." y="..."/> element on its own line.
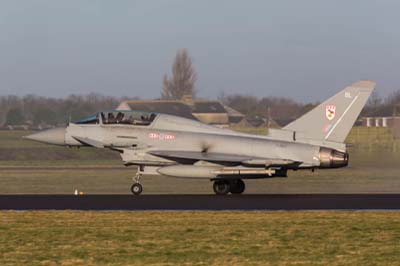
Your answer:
<point x="203" y="202"/>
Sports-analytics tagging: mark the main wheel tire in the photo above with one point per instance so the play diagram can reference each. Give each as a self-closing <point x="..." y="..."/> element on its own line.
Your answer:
<point x="237" y="186"/>
<point x="221" y="187"/>
<point x="136" y="189"/>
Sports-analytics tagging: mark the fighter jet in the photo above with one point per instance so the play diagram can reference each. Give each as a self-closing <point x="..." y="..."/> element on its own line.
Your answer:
<point x="161" y="144"/>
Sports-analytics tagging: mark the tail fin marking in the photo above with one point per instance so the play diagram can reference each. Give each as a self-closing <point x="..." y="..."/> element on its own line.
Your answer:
<point x="333" y="119"/>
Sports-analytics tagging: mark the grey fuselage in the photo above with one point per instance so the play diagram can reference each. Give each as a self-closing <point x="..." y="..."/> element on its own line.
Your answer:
<point x="180" y="134"/>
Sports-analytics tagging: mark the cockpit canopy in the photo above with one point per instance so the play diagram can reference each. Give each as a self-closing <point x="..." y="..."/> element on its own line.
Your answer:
<point x="120" y="117"/>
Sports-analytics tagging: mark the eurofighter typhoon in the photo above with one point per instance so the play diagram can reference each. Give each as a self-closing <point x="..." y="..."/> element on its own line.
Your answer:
<point x="160" y="144"/>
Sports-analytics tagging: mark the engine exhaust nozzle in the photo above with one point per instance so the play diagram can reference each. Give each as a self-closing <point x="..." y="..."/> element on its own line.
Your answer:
<point x="330" y="158"/>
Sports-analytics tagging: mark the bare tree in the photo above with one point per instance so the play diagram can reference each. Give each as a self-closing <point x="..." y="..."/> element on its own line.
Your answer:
<point x="182" y="81"/>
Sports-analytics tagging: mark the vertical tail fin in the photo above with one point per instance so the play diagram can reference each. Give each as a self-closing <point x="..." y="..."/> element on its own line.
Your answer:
<point x="333" y="119"/>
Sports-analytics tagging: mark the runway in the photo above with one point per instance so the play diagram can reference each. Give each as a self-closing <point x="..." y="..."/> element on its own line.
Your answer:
<point x="202" y="202"/>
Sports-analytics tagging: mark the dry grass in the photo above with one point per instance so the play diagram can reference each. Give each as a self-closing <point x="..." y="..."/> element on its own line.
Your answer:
<point x="199" y="238"/>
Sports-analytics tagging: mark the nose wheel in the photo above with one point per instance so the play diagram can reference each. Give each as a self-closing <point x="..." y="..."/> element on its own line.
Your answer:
<point x="136" y="188"/>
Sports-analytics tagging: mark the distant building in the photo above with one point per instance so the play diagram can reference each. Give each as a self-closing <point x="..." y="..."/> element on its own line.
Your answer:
<point x="177" y="108"/>
<point x="209" y="112"/>
<point x="234" y="116"/>
<point x="392" y="122"/>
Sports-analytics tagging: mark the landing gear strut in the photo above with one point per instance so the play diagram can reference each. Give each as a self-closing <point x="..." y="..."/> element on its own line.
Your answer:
<point x="137" y="188"/>
<point x="223" y="187"/>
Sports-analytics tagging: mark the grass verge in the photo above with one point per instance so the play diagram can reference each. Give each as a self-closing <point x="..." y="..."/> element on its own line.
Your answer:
<point x="199" y="238"/>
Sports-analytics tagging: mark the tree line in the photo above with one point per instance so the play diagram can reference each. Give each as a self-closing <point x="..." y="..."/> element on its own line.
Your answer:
<point x="37" y="110"/>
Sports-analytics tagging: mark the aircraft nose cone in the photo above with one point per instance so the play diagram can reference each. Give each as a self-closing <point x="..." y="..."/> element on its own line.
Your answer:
<point x="51" y="136"/>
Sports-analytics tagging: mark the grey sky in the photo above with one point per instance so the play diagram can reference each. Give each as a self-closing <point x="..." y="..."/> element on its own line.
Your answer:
<point x="302" y="49"/>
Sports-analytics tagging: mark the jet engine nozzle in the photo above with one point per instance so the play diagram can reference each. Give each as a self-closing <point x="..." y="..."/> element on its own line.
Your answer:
<point x="330" y="158"/>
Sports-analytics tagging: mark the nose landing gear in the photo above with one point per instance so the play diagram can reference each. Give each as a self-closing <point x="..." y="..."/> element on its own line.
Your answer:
<point x="136" y="188"/>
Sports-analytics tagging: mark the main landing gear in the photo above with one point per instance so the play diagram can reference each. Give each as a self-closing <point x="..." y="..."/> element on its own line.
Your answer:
<point x="223" y="187"/>
<point x="136" y="188"/>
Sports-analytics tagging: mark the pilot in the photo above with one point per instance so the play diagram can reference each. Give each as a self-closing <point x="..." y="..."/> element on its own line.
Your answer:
<point x="130" y="120"/>
<point x="110" y="118"/>
<point x="152" y="116"/>
<point x="119" y="118"/>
